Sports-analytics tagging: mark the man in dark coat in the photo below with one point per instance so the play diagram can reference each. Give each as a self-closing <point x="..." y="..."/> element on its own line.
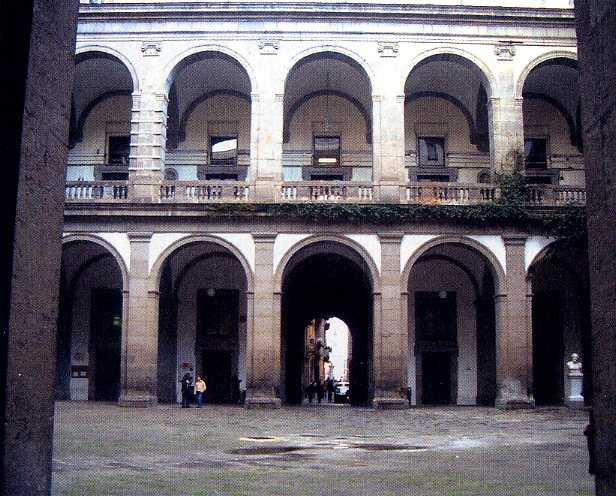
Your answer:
<point x="187" y="388"/>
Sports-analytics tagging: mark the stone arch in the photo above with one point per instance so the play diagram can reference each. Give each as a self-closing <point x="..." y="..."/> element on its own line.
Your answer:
<point x="360" y="61"/>
<point x="172" y="68"/>
<point x="374" y="275"/>
<point x="557" y="54"/>
<point x="539" y="256"/>
<point x="72" y="238"/>
<point x="483" y="68"/>
<point x="123" y="59"/>
<point x="156" y="270"/>
<point x="498" y="273"/>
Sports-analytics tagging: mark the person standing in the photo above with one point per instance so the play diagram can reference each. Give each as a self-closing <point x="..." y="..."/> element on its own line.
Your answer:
<point x="310" y="390"/>
<point x="187" y="386"/>
<point x="200" y="388"/>
<point x="235" y="389"/>
<point x="319" y="392"/>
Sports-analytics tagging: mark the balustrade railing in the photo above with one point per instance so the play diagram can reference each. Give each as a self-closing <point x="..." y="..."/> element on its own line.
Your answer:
<point x="424" y="193"/>
<point x="326" y="191"/>
<point x="448" y="193"/>
<point x="201" y="191"/>
<point x="96" y="190"/>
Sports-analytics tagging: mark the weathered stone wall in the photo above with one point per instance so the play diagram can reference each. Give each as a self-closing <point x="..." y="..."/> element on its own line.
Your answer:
<point x="596" y="24"/>
<point x="28" y="411"/>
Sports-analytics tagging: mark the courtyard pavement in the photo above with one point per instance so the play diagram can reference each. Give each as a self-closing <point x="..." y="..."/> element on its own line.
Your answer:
<point x="217" y="450"/>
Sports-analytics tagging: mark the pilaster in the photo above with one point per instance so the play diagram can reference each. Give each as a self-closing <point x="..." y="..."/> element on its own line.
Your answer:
<point x="266" y="144"/>
<point x="148" y="142"/>
<point x="513" y="345"/>
<point x="388" y="145"/>
<point x="140" y="334"/>
<point x="391" y="342"/>
<point x="263" y="347"/>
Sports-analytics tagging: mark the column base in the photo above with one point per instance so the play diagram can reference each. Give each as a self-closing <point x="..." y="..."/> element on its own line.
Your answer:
<point x="575" y="402"/>
<point x="388" y="403"/>
<point x="389" y="192"/>
<point x="521" y="403"/>
<point x="265" y="401"/>
<point x="137" y="401"/>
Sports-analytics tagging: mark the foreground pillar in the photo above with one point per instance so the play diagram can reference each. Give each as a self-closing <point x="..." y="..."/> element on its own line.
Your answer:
<point x="513" y="346"/>
<point x="140" y="334"/>
<point x="390" y="338"/>
<point x="596" y="25"/>
<point x="263" y="347"/>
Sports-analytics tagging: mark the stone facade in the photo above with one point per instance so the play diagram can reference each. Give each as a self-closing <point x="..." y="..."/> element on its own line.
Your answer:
<point x="417" y="113"/>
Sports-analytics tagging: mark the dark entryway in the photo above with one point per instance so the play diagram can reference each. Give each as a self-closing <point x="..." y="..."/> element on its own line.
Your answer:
<point x="436" y="331"/>
<point x="218" y="323"/>
<point x="217" y="371"/>
<point x="436" y="374"/>
<point x="105" y="344"/>
<point x="548" y="348"/>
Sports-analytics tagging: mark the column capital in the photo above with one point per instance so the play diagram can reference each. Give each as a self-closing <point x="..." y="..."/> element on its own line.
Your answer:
<point x="264" y="237"/>
<point x="515" y="240"/>
<point x="390" y="237"/>
<point x="139" y="237"/>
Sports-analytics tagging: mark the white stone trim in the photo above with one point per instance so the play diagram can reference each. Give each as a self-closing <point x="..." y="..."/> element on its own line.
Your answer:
<point x="245" y="244"/>
<point x="535" y="245"/>
<point x="495" y="245"/>
<point x="119" y="240"/>
<point x="371" y="243"/>
<point x="410" y="244"/>
<point x="283" y="243"/>
<point x="159" y="243"/>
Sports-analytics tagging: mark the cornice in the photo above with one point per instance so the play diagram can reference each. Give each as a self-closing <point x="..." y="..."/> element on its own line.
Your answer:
<point x="319" y="10"/>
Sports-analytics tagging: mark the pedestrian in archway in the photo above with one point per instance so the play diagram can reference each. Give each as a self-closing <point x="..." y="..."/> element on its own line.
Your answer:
<point x="329" y="386"/>
<point x="310" y="390"/>
<point x="200" y="388"/>
<point x="187" y="388"/>
<point x="320" y="394"/>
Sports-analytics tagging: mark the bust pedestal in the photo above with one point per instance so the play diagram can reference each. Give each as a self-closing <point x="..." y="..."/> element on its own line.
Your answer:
<point x="573" y="390"/>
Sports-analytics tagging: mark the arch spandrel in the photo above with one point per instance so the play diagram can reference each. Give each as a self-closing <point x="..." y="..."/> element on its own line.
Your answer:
<point x="115" y="253"/>
<point x="346" y="242"/>
<point x="184" y="240"/>
<point x="121" y="58"/>
<point x="498" y="272"/>
<point x="534" y="63"/>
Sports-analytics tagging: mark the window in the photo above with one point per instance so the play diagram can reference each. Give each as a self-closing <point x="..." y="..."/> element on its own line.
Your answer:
<point x="431" y="152"/>
<point x="223" y="150"/>
<point x="536" y="153"/>
<point x="326" y="151"/>
<point x="118" y="150"/>
<point x="171" y="174"/>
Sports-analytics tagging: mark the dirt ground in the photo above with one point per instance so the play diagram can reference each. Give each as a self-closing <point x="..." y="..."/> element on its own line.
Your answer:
<point x="320" y="450"/>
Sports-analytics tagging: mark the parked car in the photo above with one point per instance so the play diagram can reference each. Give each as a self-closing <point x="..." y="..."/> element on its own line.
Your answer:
<point x="342" y="392"/>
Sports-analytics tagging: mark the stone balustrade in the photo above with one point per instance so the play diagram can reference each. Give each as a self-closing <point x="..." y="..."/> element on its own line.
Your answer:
<point x="419" y="193"/>
<point x="89" y="191"/>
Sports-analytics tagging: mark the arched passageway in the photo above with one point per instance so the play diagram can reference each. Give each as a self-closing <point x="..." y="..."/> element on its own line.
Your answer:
<point x="323" y="280"/>
<point x="202" y="321"/>
<point x="560" y="321"/>
<point x="209" y="119"/>
<point x="552" y="124"/>
<point x="100" y="118"/>
<point x="327" y="131"/>
<point x="90" y="324"/>
<point x="452" y="332"/>
<point x="446" y="120"/>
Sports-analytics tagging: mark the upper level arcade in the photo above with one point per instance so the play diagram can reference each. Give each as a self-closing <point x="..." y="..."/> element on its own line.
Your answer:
<point x="427" y="104"/>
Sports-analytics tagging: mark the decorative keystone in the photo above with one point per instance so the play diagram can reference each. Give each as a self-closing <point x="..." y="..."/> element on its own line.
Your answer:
<point x="151" y="48"/>
<point x="505" y="51"/>
<point x="269" y="46"/>
<point x="387" y="48"/>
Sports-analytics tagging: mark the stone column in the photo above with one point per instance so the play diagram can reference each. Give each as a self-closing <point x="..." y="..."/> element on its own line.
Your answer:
<point x="266" y="145"/>
<point x="505" y="114"/>
<point x="513" y="377"/>
<point x="140" y="333"/>
<point x="390" y="338"/>
<point x="506" y="133"/>
<point x="147" y="145"/>
<point x="388" y="145"/>
<point x="263" y="346"/>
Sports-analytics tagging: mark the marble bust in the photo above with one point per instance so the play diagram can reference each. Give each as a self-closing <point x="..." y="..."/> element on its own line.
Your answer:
<point x="574" y="366"/>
